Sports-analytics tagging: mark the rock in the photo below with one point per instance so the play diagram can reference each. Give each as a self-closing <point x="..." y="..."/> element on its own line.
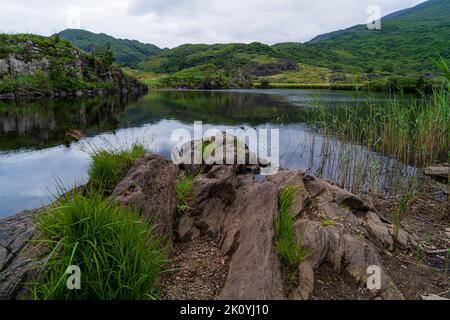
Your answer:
<point x="238" y="214"/>
<point x="313" y="235"/>
<point x="379" y="230"/>
<point x="18" y="67"/>
<point x="149" y="187"/>
<point x="401" y="237"/>
<point x="433" y="297"/>
<point x="4" y="67"/>
<point x="18" y="256"/>
<point x="440" y="171"/>
<point x="306" y="282"/>
<point x="3" y="255"/>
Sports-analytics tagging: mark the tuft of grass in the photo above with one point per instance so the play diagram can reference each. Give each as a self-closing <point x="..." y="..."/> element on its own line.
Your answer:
<point x="184" y="193"/>
<point x="109" y="167"/>
<point x="288" y="247"/>
<point x="117" y="254"/>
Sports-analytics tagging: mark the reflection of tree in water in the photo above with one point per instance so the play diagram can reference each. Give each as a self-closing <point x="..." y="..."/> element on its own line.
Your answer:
<point x="230" y="108"/>
<point x="44" y="123"/>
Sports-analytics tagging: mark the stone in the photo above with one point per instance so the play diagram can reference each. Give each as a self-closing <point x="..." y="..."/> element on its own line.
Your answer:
<point x="149" y="186"/>
<point x="4" y="67"/>
<point x="379" y="230"/>
<point x="18" y="256"/>
<point x="441" y="171"/>
<point x="306" y="282"/>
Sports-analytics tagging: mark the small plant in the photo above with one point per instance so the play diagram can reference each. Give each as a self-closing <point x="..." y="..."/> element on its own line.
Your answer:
<point x="403" y="205"/>
<point x="289" y="248"/>
<point x="117" y="254"/>
<point x="328" y="222"/>
<point x="184" y="193"/>
<point x="109" y="167"/>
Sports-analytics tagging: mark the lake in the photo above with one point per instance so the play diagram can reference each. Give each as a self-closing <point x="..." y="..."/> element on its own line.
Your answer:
<point x="37" y="157"/>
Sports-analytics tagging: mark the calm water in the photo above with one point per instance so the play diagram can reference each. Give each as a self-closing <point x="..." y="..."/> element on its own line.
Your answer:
<point x="36" y="154"/>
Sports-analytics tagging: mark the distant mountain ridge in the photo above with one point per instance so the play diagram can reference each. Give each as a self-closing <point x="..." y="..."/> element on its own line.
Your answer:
<point x="409" y="40"/>
<point x="126" y="52"/>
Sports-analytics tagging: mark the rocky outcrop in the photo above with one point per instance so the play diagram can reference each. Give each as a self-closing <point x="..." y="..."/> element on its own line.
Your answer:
<point x="237" y="212"/>
<point x="240" y="212"/>
<point x="16" y="67"/>
<point x="150" y="187"/>
<point x="47" y="67"/>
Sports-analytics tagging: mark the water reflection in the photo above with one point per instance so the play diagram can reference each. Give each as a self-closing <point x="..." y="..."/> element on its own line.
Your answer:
<point x="35" y="152"/>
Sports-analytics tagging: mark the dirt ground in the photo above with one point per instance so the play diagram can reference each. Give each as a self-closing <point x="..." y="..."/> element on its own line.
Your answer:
<point x="199" y="271"/>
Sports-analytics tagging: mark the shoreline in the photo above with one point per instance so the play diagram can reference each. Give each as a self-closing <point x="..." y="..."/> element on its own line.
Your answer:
<point x="142" y="89"/>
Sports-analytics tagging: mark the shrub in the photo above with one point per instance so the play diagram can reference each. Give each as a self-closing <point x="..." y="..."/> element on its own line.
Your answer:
<point x="264" y="84"/>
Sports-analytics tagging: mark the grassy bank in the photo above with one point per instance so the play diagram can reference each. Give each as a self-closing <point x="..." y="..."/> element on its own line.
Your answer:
<point x="117" y="253"/>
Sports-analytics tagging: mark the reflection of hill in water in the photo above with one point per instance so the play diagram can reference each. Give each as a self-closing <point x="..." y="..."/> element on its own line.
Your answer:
<point x="44" y="123"/>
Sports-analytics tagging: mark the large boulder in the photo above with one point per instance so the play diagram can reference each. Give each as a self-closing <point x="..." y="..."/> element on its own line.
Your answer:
<point x="149" y="187"/>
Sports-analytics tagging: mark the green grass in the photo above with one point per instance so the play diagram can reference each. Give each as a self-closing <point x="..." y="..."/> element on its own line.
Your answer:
<point x="109" y="167"/>
<point x="184" y="193"/>
<point x="116" y="252"/>
<point x="288" y="247"/>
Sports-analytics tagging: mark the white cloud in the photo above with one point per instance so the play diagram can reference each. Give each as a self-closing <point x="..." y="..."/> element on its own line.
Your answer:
<point x="168" y="23"/>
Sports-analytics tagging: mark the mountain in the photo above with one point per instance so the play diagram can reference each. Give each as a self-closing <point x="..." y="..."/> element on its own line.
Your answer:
<point x="41" y="66"/>
<point x="408" y="40"/>
<point x="126" y="52"/>
<point x="407" y="44"/>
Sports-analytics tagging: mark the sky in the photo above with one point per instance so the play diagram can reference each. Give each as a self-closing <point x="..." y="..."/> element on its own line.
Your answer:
<point x="169" y="23"/>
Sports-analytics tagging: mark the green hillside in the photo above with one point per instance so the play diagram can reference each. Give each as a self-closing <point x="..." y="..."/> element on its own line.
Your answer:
<point x="408" y="41"/>
<point x="126" y="52"/>
<point x="406" y="46"/>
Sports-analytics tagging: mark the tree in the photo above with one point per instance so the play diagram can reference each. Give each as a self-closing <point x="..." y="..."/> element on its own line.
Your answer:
<point x="104" y="55"/>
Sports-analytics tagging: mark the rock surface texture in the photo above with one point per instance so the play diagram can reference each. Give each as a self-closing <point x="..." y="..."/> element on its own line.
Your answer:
<point x="17" y="255"/>
<point x="237" y="213"/>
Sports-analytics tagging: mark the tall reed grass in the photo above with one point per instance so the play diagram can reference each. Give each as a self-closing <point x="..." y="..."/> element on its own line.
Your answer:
<point x="413" y="131"/>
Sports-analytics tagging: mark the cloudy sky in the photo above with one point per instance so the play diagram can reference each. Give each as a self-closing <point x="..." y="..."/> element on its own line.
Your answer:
<point x="168" y="23"/>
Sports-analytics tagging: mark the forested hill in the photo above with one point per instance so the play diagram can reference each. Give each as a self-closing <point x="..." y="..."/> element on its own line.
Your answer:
<point x="126" y="52"/>
<point x="408" y="42"/>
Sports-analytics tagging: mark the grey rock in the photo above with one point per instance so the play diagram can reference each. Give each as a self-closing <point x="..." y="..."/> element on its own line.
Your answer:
<point x="439" y="171"/>
<point x="18" y="256"/>
<point x="4" y="67"/>
<point x="378" y="229"/>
